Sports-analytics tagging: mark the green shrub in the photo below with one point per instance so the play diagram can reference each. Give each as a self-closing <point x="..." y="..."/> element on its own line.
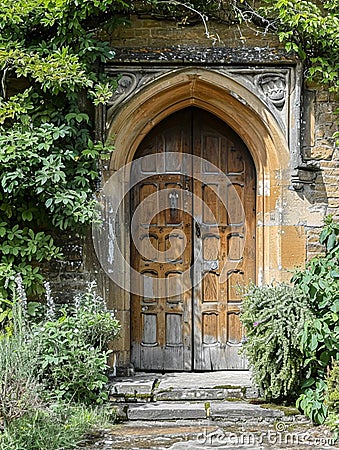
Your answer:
<point x="52" y="360"/>
<point x="274" y="316"/>
<point x="96" y="323"/>
<point x="319" y="283"/>
<point x="19" y="387"/>
<point x="55" y="427"/>
<point x="73" y="349"/>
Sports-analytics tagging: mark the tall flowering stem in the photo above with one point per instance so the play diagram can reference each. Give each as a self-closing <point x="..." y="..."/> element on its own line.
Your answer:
<point x="21" y="293"/>
<point x="50" y="311"/>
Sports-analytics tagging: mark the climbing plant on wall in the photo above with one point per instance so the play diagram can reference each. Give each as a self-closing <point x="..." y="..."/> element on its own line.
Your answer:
<point x="50" y="82"/>
<point x="309" y="28"/>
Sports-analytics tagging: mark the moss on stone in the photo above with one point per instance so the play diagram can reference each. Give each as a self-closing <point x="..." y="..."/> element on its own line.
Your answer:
<point x="287" y="410"/>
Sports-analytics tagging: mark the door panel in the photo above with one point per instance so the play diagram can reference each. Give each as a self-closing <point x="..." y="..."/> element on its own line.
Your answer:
<point x="214" y="236"/>
<point x="226" y="237"/>
<point x="161" y="318"/>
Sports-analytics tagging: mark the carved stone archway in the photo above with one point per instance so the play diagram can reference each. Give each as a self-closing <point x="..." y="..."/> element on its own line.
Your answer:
<point x="280" y="244"/>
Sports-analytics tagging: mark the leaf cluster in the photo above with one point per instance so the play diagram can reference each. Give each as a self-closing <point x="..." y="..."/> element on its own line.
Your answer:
<point x="319" y="282"/>
<point x="50" y="82"/>
<point x="311" y="29"/>
<point x="273" y="316"/>
<point x="73" y="349"/>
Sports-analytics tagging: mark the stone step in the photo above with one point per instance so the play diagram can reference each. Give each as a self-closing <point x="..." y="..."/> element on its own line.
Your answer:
<point x="230" y="411"/>
<point x="177" y="394"/>
<point x="148" y="387"/>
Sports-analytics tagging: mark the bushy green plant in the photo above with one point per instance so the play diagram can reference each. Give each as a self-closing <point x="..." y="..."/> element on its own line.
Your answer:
<point x="71" y="367"/>
<point x="73" y="349"/>
<point x="96" y="323"/>
<point x="54" y="427"/>
<point x="274" y="316"/>
<point x="319" y="283"/>
<point x="38" y="374"/>
<point x="19" y="387"/>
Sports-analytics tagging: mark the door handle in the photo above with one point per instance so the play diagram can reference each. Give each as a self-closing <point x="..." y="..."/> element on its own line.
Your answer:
<point x="173" y="198"/>
<point x="197" y="230"/>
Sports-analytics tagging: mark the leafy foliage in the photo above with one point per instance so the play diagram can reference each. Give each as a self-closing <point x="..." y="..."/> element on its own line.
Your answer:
<point x="50" y="79"/>
<point x="273" y="316"/>
<point x="33" y="413"/>
<point x="292" y="332"/>
<point x="73" y="349"/>
<point x="48" y="158"/>
<point x="319" y="283"/>
<point x="312" y="402"/>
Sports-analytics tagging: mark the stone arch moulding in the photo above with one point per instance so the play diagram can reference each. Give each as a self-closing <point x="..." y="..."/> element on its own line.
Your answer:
<point x="246" y="113"/>
<point x="238" y="107"/>
<point x="253" y="121"/>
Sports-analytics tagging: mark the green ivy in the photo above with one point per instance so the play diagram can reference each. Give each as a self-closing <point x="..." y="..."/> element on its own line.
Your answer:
<point x="319" y="283"/>
<point x="50" y="79"/>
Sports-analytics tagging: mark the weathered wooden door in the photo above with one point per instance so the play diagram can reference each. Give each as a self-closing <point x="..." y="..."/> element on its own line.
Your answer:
<point x="193" y="242"/>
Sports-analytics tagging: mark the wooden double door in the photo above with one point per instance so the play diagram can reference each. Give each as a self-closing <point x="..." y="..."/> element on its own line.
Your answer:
<point x="193" y="244"/>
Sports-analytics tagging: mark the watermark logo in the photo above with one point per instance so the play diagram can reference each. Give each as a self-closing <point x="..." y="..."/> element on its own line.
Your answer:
<point x="280" y="436"/>
<point x="119" y="226"/>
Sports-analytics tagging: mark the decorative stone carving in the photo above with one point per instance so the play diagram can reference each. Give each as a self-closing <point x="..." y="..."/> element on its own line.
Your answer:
<point x="277" y="87"/>
<point x="273" y="86"/>
<point x="304" y="174"/>
<point x="126" y="85"/>
<point x="129" y="83"/>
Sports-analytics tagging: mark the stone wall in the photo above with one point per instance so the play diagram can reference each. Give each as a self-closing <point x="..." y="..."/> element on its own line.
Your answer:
<point x="309" y="182"/>
<point x="148" y="32"/>
<point x="146" y="40"/>
<point x="320" y="149"/>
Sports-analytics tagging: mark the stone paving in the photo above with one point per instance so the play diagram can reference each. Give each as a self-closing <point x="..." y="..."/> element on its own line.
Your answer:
<point x="180" y="411"/>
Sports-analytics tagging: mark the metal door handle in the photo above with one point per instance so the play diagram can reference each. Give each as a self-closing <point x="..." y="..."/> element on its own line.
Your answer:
<point x="173" y="197"/>
<point x="197" y="230"/>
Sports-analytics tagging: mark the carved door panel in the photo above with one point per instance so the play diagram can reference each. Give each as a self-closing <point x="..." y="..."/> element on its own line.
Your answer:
<point x="194" y="227"/>
<point x="162" y="313"/>
<point x="224" y="242"/>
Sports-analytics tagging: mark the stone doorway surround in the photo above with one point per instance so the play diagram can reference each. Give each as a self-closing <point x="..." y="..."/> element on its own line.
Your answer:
<point x="262" y="105"/>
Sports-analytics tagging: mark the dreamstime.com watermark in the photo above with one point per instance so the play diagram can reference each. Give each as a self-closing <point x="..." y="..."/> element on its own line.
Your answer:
<point x="280" y="436"/>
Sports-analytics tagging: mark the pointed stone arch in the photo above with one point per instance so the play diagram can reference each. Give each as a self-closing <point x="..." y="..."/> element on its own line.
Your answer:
<point x="259" y="129"/>
<point x="220" y="95"/>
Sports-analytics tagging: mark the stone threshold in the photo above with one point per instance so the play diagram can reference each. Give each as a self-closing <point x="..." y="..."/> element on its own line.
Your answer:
<point x="183" y="386"/>
<point x="220" y="395"/>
